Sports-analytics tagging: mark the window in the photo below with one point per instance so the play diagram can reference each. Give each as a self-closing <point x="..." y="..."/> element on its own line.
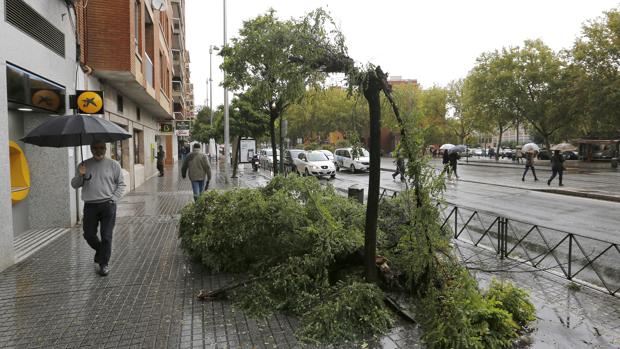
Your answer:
<point x="116" y="151"/>
<point x="137" y="113"/>
<point x="138" y="151"/>
<point x="137" y="25"/>
<point x="119" y="103"/>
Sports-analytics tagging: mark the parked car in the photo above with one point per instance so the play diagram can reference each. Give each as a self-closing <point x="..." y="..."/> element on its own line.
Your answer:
<point x="506" y="153"/>
<point x="289" y="159"/>
<point x="570" y="155"/>
<point x="265" y="157"/>
<point x="475" y="152"/>
<point x="329" y="155"/>
<point x="314" y="163"/>
<point x="543" y="154"/>
<point x="344" y="159"/>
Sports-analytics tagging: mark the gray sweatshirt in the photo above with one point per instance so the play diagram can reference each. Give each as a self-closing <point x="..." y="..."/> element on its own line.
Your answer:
<point x="106" y="184"/>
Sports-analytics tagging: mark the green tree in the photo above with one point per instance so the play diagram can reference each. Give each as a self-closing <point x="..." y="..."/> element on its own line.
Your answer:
<point x="488" y="91"/>
<point x="268" y="61"/>
<point x="201" y="130"/>
<point x="595" y="68"/>
<point x="245" y="121"/>
<point x="462" y="122"/>
<point x="326" y="110"/>
<point x="540" y="90"/>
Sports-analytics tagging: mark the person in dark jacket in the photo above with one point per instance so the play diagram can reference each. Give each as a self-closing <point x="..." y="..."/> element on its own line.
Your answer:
<point x="529" y="164"/>
<point x="446" y="163"/>
<point x="557" y="167"/>
<point x="452" y="159"/>
<point x="161" y="154"/>
<point x="196" y="165"/>
<point x="400" y="168"/>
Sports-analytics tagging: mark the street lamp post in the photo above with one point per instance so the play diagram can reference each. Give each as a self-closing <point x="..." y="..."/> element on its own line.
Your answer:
<point x="211" y="48"/>
<point x="226" y="130"/>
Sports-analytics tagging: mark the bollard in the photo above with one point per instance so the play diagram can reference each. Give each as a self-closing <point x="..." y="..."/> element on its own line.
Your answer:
<point x="356" y="193"/>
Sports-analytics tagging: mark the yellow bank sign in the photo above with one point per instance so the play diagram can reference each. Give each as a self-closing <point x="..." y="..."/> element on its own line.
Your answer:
<point x="89" y="102"/>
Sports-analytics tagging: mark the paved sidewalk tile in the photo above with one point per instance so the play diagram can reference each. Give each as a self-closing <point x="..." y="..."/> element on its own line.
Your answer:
<point x="584" y="318"/>
<point x="54" y="298"/>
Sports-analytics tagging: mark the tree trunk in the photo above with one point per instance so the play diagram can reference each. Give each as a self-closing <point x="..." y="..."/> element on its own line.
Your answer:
<point x="281" y="163"/>
<point x="499" y="142"/>
<point x="371" y="92"/>
<point x="235" y="158"/>
<point x="272" y="131"/>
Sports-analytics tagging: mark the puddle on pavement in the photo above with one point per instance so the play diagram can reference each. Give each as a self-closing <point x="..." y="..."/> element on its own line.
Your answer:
<point x="568" y="330"/>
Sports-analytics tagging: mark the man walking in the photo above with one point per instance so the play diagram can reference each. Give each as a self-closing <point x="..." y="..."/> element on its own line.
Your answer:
<point x="529" y="163"/>
<point x="557" y="167"/>
<point x="161" y="154"/>
<point x="198" y="167"/>
<point x="102" y="185"/>
<point x="400" y="168"/>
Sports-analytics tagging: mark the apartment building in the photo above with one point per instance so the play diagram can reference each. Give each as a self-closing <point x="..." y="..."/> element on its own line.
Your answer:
<point x="49" y="50"/>
<point x="182" y="89"/>
<point x="126" y="45"/>
<point x="37" y="74"/>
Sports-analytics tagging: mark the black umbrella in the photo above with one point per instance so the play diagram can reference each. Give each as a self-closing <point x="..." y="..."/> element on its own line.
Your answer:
<point x="74" y="130"/>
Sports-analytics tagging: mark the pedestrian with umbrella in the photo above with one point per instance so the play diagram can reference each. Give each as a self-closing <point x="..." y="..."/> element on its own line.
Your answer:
<point x="530" y="150"/>
<point x="453" y="157"/>
<point x="557" y="166"/>
<point x="100" y="178"/>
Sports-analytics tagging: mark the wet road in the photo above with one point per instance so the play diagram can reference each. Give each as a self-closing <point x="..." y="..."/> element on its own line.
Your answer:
<point x="520" y="201"/>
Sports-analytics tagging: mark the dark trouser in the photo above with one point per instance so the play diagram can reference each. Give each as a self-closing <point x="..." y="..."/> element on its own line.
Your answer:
<point x="446" y="169"/>
<point x="533" y="171"/>
<point x="103" y="214"/>
<point x="556" y="172"/>
<point x="399" y="171"/>
<point x="160" y="168"/>
<point x="453" y="167"/>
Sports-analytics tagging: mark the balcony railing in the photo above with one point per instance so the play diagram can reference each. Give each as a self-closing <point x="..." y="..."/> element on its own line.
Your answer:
<point x="176" y="56"/>
<point x="177" y="86"/>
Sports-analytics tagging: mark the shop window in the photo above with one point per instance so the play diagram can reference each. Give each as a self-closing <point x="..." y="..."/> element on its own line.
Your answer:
<point x="138" y="148"/>
<point x="119" y="103"/>
<point x="28" y="89"/>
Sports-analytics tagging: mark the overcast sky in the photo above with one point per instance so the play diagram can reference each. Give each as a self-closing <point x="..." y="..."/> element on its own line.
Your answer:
<point x="432" y="41"/>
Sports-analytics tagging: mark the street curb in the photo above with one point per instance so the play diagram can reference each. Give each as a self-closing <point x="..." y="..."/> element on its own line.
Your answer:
<point x="581" y="194"/>
<point x="481" y="164"/>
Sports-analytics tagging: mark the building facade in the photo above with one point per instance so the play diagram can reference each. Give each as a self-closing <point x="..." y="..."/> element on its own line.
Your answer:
<point x="49" y="50"/>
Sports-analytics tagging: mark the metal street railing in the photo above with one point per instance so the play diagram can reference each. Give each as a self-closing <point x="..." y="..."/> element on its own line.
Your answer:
<point x="586" y="260"/>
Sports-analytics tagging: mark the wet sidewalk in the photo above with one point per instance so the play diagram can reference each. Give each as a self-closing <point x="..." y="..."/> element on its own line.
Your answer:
<point x="54" y="298"/>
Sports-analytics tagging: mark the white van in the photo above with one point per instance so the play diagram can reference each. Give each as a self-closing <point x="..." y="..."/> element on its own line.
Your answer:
<point x="343" y="159"/>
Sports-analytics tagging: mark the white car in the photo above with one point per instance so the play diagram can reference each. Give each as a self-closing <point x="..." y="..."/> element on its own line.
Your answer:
<point x="314" y="163"/>
<point x="345" y="160"/>
<point x="265" y="157"/>
<point x="329" y="155"/>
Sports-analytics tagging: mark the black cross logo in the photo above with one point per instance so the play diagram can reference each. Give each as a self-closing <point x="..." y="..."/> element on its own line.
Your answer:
<point x="89" y="101"/>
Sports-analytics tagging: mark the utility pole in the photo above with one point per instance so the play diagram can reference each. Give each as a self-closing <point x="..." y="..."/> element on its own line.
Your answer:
<point x="226" y="126"/>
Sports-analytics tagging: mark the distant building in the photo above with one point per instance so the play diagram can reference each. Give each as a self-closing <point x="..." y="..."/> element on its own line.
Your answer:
<point x="398" y="80"/>
<point x="520" y="136"/>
